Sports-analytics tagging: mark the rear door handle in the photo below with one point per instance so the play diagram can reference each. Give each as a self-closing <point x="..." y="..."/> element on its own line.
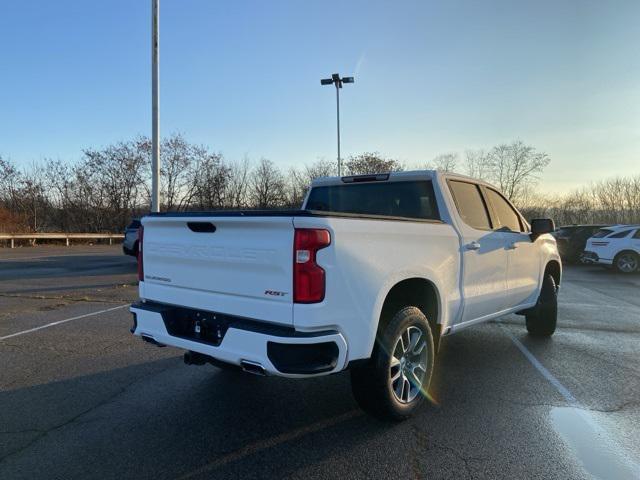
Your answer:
<point x="473" y="246"/>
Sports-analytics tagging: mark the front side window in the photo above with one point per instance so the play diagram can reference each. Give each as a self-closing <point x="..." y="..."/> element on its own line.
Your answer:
<point x="470" y="204"/>
<point x="507" y="218"/>
<point x="637" y="234"/>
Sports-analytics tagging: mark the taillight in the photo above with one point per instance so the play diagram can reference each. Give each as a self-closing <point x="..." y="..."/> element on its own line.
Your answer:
<point x="140" y="264"/>
<point x="308" y="276"/>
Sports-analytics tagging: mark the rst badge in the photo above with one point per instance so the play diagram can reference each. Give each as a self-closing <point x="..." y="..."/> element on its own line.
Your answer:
<point x="275" y="293"/>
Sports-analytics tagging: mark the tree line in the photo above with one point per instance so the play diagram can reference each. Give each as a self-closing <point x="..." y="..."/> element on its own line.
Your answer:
<point x="108" y="186"/>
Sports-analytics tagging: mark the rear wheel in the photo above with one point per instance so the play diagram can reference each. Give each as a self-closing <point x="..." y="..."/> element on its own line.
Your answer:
<point x="393" y="383"/>
<point x="541" y="320"/>
<point x="626" y="262"/>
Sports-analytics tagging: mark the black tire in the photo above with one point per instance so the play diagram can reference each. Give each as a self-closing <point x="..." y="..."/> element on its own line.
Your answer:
<point x="134" y="252"/>
<point x="126" y="251"/>
<point x="541" y="320"/>
<point x="372" y="384"/>
<point x="626" y="262"/>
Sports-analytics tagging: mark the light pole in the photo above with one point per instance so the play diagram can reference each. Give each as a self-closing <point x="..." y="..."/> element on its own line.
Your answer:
<point x="337" y="81"/>
<point x="155" y="127"/>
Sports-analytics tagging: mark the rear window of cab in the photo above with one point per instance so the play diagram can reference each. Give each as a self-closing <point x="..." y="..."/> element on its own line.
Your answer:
<point x="407" y="199"/>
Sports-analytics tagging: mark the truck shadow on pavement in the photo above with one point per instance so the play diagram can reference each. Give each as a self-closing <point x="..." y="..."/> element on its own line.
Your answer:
<point x="162" y="419"/>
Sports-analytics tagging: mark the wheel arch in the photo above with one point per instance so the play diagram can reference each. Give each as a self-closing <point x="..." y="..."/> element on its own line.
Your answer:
<point x="554" y="269"/>
<point x="418" y="292"/>
<point x="626" y="250"/>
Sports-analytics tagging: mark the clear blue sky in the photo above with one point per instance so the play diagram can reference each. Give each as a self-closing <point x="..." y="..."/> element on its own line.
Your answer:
<point x="243" y="78"/>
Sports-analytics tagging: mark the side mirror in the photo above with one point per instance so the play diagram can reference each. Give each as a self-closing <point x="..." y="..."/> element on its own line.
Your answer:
<point x="540" y="226"/>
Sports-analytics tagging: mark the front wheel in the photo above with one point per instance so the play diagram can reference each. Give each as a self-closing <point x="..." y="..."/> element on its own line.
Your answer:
<point x="393" y="383"/>
<point x="541" y="320"/>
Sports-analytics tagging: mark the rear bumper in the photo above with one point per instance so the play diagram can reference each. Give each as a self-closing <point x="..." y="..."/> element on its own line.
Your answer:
<point x="594" y="258"/>
<point x="281" y="351"/>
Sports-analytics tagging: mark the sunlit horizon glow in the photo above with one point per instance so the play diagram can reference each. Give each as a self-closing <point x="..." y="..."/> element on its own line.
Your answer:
<point x="243" y="78"/>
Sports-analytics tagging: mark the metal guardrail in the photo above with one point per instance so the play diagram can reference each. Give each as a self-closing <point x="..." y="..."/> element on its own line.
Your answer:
<point x="59" y="236"/>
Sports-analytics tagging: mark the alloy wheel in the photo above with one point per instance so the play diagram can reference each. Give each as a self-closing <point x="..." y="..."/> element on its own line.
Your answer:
<point x="627" y="263"/>
<point x="408" y="365"/>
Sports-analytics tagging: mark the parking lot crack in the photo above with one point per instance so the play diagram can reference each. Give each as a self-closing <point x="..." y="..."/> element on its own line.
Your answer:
<point x="614" y="409"/>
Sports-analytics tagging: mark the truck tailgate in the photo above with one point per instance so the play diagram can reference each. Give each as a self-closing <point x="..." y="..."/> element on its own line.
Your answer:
<point x="236" y="265"/>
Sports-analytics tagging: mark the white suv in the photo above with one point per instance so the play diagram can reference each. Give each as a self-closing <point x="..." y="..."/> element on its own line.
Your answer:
<point x="618" y="245"/>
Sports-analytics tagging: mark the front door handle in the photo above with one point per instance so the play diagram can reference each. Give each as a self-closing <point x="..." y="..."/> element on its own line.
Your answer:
<point x="473" y="246"/>
<point x="512" y="246"/>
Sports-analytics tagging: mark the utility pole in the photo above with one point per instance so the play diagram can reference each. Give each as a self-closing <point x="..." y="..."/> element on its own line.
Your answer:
<point x="337" y="81"/>
<point x="338" y="124"/>
<point x="155" y="127"/>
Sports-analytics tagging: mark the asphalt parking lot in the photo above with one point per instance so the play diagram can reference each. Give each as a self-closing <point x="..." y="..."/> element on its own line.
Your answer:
<point x="83" y="398"/>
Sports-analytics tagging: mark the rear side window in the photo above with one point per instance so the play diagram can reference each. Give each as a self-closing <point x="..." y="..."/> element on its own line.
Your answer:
<point x="637" y="234"/>
<point x="470" y="204"/>
<point x="392" y="199"/>
<point x="602" y="233"/>
<point x="507" y="218"/>
<point x="622" y="234"/>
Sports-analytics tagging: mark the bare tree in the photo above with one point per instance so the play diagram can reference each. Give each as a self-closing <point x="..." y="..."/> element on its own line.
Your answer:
<point x="478" y="164"/>
<point x="238" y="184"/>
<point x="107" y="186"/>
<point x="299" y="180"/>
<point x="208" y="178"/>
<point x="176" y="160"/>
<point x="12" y="218"/>
<point x="445" y="162"/>
<point x="515" y="167"/>
<point x="117" y="172"/>
<point x="371" y="162"/>
<point x="10" y="179"/>
<point x="266" y="185"/>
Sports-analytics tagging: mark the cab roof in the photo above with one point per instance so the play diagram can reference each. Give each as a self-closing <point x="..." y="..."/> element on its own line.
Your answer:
<point x="393" y="176"/>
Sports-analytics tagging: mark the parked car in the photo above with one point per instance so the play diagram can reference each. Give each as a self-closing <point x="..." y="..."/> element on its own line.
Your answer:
<point x="130" y="242"/>
<point x="572" y="240"/>
<point x="617" y="246"/>
<point x="369" y="275"/>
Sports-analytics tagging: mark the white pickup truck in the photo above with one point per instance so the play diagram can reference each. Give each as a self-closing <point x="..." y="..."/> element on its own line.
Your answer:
<point x="369" y="275"/>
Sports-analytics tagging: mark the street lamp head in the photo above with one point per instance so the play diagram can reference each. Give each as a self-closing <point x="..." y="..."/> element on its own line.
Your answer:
<point x="347" y="79"/>
<point x="326" y="81"/>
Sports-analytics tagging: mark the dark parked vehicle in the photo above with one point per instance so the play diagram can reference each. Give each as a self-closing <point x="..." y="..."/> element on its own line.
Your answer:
<point x="572" y="239"/>
<point x="130" y="243"/>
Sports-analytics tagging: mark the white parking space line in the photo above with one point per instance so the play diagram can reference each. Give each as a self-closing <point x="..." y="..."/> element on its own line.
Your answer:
<point x="598" y="306"/>
<point x="611" y="458"/>
<point x="568" y="396"/>
<point x="60" y="322"/>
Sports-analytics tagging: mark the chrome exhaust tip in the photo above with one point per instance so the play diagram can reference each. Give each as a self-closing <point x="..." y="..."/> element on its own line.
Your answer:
<point x="253" y="367"/>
